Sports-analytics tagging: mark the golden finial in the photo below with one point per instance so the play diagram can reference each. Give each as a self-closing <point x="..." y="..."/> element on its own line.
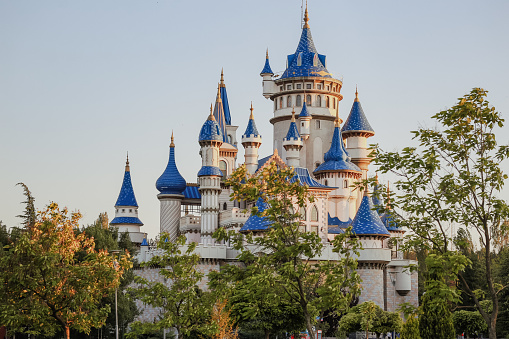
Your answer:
<point x="267" y="54"/>
<point x="251" y="117"/>
<point x="211" y="116"/>
<point x="222" y="78"/>
<point x="293" y="114"/>
<point x="127" y="169"/>
<point x="306" y="17"/>
<point x="337" y="122"/>
<point x="172" y="144"/>
<point x="218" y="98"/>
<point x="356" y="94"/>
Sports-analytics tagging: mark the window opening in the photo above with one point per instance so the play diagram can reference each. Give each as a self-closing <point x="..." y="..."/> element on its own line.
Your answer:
<point x="289" y="101"/>
<point x="298" y="101"/>
<point x="314" y="213"/>
<point x="308" y="100"/>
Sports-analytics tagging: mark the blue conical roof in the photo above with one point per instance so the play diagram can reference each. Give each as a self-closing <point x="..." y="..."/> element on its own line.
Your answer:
<point x="210" y="131"/>
<point x="171" y="182"/>
<point x="293" y="132"/>
<point x="266" y="68"/>
<point x="126" y="196"/>
<point x="306" y="61"/>
<point x="251" y="129"/>
<point x="304" y="112"/>
<point x="224" y="101"/>
<point x="367" y="221"/>
<point x="357" y="120"/>
<point x="220" y="116"/>
<point x="337" y="158"/>
<point x="255" y="222"/>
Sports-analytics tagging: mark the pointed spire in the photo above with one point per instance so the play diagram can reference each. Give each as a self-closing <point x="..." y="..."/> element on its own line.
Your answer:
<point x="218" y="96"/>
<point x="126" y="196"/>
<point x="357" y="121"/>
<point x="171" y="182"/>
<point x="172" y="144"/>
<point x="293" y="113"/>
<point x="337" y="122"/>
<point x="221" y="83"/>
<point x="367" y="221"/>
<point x="251" y="117"/>
<point x="211" y="116"/>
<point x="251" y="129"/>
<point x="224" y="100"/>
<point x="293" y="132"/>
<point x="266" y="68"/>
<point x="356" y="94"/>
<point x="127" y="169"/>
<point x="219" y="113"/>
<point x="267" y="54"/>
<point x="304" y="112"/>
<point x="306" y="17"/>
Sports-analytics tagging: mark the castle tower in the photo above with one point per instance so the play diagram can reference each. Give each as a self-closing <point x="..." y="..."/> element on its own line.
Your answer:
<point x="356" y="131"/>
<point x="292" y="144"/>
<point x="266" y="74"/>
<point x="371" y="232"/>
<point x="171" y="186"/>
<point x="305" y="80"/>
<point x="251" y="140"/>
<point x="126" y="210"/>
<point x="305" y="122"/>
<point x="209" y="177"/>
<point x="339" y="171"/>
<point x="228" y="151"/>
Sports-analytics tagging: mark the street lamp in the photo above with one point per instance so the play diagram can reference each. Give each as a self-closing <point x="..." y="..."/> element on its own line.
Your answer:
<point x="116" y="300"/>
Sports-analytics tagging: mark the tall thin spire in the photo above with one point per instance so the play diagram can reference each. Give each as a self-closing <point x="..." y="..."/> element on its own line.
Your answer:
<point x="221" y="84"/>
<point x="172" y="144"/>
<point x="267" y="54"/>
<point x="306" y="17"/>
<point x="127" y="169"/>
<point x="356" y="94"/>
<point x="218" y="97"/>
<point x="293" y="114"/>
<point x="337" y="122"/>
<point x="251" y="116"/>
<point x="211" y="116"/>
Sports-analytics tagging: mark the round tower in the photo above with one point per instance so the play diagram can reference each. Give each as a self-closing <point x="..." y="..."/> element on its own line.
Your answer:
<point x="293" y="144"/>
<point x="209" y="177"/>
<point x="126" y="210"/>
<point x="339" y="171"/>
<point x="305" y="122"/>
<point x="171" y="186"/>
<point x="266" y="74"/>
<point x="305" y="80"/>
<point x="251" y="140"/>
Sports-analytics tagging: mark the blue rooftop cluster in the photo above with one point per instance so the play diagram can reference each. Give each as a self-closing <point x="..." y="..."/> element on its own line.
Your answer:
<point x="293" y="133"/>
<point x="305" y="179"/>
<point x="367" y="221"/>
<point x="357" y="120"/>
<point x="304" y="112"/>
<point x="126" y="220"/>
<point x="171" y="182"/>
<point x="210" y="131"/>
<point x="255" y="222"/>
<point x="306" y="61"/>
<point x="337" y="158"/>
<point x="126" y="196"/>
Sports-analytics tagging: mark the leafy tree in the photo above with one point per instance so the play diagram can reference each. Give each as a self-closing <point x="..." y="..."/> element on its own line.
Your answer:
<point x="453" y="178"/>
<point x="369" y="317"/>
<point x="48" y="288"/>
<point x="410" y="328"/>
<point x="502" y="274"/>
<point x="368" y="312"/>
<point x="222" y="323"/>
<point x="468" y="322"/>
<point x="285" y="253"/>
<point x="436" y="319"/>
<point x="183" y="304"/>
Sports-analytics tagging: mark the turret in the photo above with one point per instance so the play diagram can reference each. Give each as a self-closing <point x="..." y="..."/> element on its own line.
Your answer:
<point x="339" y="171"/>
<point x="209" y="177"/>
<point x="227" y="151"/>
<point x="126" y="210"/>
<point x="292" y="144"/>
<point x="305" y="119"/>
<point x="266" y="74"/>
<point x="251" y="140"/>
<point x="357" y="130"/>
<point x="171" y="186"/>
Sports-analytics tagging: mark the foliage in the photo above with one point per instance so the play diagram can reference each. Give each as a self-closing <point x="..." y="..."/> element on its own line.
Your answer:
<point x="451" y="179"/>
<point x="222" y="323"/>
<point x="468" y="322"/>
<point x="436" y="319"/>
<point x="285" y="252"/>
<point x="369" y="317"/>
<point x="410" y="329"/>
<point x="49" y="288"/>
<point x="183" y="304"/>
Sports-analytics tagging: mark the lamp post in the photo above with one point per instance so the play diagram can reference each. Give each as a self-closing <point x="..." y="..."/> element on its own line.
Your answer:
<point x="114" y="252"/>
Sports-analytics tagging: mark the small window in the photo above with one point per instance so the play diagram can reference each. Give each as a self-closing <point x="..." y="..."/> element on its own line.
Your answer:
<point x="326" y="183"/>
<point x="302" y="213"/>
<point x="308" y="86"/>
<point x="289" y="101"/>
<point x="116" y="210"/>
<point x="318" y="101"/>
<point x="345" y="183"/>
<point x="308" y="100"/>
<point x="317" y="164"/>
<point x="327" y="102"/>
<point x="299" y="86"/>
<point x="302" y="228"/>
<point x="222" y="167"/>
<point x="318" y="124"/>
<point x="314" y="213"/>
<point x="281" y="88"/>
<point x="123" y="210"/>
<point x="327" y="87"/>
<point x="315" y="60"/>
<point x="280" y="103"/>
<point x="136" y="211"/>
<point x="298" y="101"/>
<point x="334" y="103"/>
<point x="225" y="206"/>
<point x="288" y="87"/>
<point x="302" y="124"/>
<point x="299" y="59"/>
<point x="130" y="210"/>
<point x="275" y="105"/>
<point x="319" y="86"/>
<point x="229" y="139"/>
<point x="314" y="229"/>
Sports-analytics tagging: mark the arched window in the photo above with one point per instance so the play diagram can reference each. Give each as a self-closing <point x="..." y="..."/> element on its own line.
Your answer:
<point x="225" y="206"/>
<point x="230" y="139"/>
<point x="298" y="101"/>
<point x="302" y="213"/>
<point x="314" y="213"/>
<point x="308" y="100"/>
<point x="280" y="103"/>
<point x="345" y="183"/>
<point x="327" y="102"/>
<point x="326" y="183"/>
<point x="318" y="101"/>
<point x="315" y="60"/>
<point x="289" y="101"/>
<point x="299" y="59"/>
<point x="222" y="167"/>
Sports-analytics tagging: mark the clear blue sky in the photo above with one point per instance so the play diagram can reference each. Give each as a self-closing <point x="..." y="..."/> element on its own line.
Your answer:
<point x="83" y="82"/>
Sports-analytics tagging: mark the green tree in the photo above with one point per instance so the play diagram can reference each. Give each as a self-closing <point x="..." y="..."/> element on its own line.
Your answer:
<point x="410" y="328"/>
<point x="436" y="319"/>
<point x="454" y="178"/>
<point x="48" y="288"/>
<point x="183" y="304"/>
<point x="468" y="322"/>
<point x="285" y="254"/>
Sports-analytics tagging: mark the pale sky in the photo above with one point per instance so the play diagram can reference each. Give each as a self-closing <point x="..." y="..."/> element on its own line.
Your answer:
<point x="83" y="82"/>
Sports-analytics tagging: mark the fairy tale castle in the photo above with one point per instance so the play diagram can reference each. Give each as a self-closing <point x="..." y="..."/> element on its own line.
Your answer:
<point x="328" y="157"/>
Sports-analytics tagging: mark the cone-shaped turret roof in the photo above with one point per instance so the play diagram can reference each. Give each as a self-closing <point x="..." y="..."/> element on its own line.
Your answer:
<point x="255" y="222"/>
<point x="367" y="221"/>
<point x="210" y="131"/>
<point x="251" y="130"/>
<point x="357" y="121"/>
<point x="293" y="132"/>
<point x="306" y="61"/>
<point x="304" y="112"/>
<point x="266" y="68"/>
<point x="224" y="101"/>
<point x="219" y="114"/>
<point x="171" y="182"/>
<point x="126" y="196"/>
